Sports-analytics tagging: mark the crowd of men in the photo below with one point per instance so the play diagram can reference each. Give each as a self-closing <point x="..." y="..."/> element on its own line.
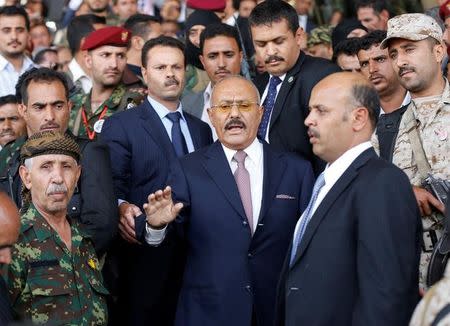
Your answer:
<point x="213" y="162"/>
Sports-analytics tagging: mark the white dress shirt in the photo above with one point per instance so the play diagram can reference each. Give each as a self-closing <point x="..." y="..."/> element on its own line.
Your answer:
<point x="263" y="98"/>
<point x="332" y="174"/>
<point x="79" y="76"/>
<point x="406" y="101"/>
<point x="206" y="106"/>
<point x="254" y="163"/>
<point x="9" y="76"/>
<point x="303" y="21"/>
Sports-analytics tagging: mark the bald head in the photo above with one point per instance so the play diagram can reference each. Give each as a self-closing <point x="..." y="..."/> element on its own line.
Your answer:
<point x="344" y="109"/>
<point x="9" y="227"/>
<point x="236" y="80"/>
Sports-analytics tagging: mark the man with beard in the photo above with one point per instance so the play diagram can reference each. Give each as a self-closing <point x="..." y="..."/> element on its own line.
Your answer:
<point x="54" y="276"/>
<point x="376" y="66"/>
<point x="12" y="125"/>
<point x="291" y="75"/>
<point x="143" y="142"/>
<point x="101" y="8"/>
<point x="221" y="57"/>
<point x="106" y="59"/>
<point x="14" y="36"/>
<point x="422" y="146"/>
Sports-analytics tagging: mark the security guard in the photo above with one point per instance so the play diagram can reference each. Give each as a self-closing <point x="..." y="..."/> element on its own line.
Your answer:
<point x="54" y="277"/>
<point x="106" y="59"/>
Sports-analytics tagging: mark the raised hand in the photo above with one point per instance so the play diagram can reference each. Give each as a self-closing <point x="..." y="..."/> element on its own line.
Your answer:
<point x="160" y="209"/>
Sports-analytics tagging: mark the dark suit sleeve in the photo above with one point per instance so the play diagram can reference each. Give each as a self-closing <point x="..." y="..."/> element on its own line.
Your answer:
<point x="114" y="136"/>
<point x="388" y="250"/>
<point x="5" y="306"/>
<point x="99" y="209"/>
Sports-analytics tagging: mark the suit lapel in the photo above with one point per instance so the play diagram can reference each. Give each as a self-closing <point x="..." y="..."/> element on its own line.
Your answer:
<point x="273" y="173"/>
<point x="288" y="82"/>
<point x="339" y="187"/>
<point x="153" y="125"/>
<point x="217" y="167"/>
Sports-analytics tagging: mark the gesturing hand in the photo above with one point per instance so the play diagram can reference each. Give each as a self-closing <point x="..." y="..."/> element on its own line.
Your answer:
<point x="160" y="209"/>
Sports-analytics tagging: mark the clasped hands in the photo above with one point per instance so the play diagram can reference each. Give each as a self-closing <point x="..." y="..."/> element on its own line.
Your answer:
<point x="159" y="210"/>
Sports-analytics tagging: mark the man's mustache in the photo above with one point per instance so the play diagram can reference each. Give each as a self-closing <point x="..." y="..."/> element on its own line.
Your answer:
<point x="56" y="188"/>
<point x="273" y="58"/>
<point x="235" y="122"/>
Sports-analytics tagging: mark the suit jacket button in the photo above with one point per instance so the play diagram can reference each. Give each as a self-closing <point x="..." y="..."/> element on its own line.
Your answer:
<point x="250" y="255"/>
<point x="244" y="223"/>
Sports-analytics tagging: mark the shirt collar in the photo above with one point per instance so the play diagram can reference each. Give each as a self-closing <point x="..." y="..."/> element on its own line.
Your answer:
<point x="27" y="63"/>
<point x="207" y="94"/>
<point x="77" y="71"/>
<point x="282" y="77"/>
<point x="335" y="170"/>
<point x="254" y="151"/>
<point x="3" y="62"/>
<point x="161" y="110"/>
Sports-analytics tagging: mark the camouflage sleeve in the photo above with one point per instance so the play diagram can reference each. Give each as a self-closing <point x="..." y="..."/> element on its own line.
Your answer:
<point x="15" y="275"/>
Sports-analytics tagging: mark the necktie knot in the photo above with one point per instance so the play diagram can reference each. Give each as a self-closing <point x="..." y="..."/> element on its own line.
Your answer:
<point x="274" y="81"/>
<point x="174" y="116"/>
<point x="240" y="156"/>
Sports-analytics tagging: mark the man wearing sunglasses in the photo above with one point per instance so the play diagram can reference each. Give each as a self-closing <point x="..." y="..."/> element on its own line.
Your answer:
<point x="236" y="204"/>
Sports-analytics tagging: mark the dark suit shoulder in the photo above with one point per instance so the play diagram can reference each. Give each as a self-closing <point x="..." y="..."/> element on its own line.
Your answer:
<point x="318" y="65"/>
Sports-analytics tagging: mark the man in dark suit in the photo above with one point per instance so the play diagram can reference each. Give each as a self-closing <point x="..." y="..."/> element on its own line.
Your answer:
<point x="143" y="141"/>
<point x="44" y="105"/>
<point x="291" y="75"/>
<point x="240" y="203"/>
<point x="9" y="232"/>
<point x="355" y="251"/>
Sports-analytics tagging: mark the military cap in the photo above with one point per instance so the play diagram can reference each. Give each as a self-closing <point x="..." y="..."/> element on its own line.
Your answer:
<point x="215" y="5"/>
<point x="414" y="27"/>
<point x="111" y="35"/>
<point x="50" y="142"/>
<point x="444" y="10"/>
<point x="320" y="35"/>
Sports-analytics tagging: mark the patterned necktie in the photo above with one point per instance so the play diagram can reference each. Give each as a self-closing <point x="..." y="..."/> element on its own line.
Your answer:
<point x="268" y="106"/>
<point x="307" y="214"/>
<point x="242" y="178"/>
<point x="178" y="141"/>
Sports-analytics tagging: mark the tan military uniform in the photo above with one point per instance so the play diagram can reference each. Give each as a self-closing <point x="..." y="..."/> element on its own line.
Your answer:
<point x="433" y="118"/>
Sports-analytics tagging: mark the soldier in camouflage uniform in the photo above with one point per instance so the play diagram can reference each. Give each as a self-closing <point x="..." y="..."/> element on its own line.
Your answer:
<point x="106" y="60"/>
<point x="319" y="42"/>
<point x="54" y="277"/>
<point x="415" y="46"/>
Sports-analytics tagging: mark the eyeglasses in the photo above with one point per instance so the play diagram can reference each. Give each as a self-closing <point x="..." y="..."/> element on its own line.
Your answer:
<point x="242" y="106"/>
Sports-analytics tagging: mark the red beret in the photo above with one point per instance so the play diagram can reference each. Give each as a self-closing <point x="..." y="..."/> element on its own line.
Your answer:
<point x="215" y="5"/>
<point x="112" y="35"/>
<point x="444" y="10"/>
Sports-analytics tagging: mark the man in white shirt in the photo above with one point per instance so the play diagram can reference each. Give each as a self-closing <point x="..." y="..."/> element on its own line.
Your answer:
<point x="240" y="202"/>
<point x="14" y="37"/>
<point x="221" y="57"/>
<point x="360" y="234"/>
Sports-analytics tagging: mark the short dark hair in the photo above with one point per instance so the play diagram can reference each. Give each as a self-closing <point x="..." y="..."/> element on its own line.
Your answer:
<point x="43" y="25"/>
<point x="348" y="46"/>
<point x="271" y="11"/>
<point x="377" y="5"/>
<point x="219" y="29"/>
<point x="138" y="24"/>
<point x="366" y="95"/>
<point x="8" y="99"/>
<point x="371" y="39"/>
<point x="38" y="75"/>
<point x="15" y="11"/>
<point x="39" y="56"/>
<point x="79" y="27"/>
<point x="160" y="41"/>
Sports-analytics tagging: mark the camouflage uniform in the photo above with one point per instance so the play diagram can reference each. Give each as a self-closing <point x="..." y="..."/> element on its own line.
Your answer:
<point x="47" y="283"/>
<point x="9" y="165"/>
<point x="320" y="35"/>
<point x="196" y="79"/>
<point x="436" y="299"/>
<point x="119" y="100"/>
<point x="433" y="116"/>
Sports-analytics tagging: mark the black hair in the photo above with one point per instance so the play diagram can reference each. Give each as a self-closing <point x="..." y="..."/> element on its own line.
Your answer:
<point x="371" y="39"/>
<point x="38" y="75"/>
<point x="15" y="11"/>
<point x="43" y="25"/>
<point x="271" y="11"/>
<point x="139" y="24"/>
<point x="8" y="99"/>
<point x="377" y="5"/>
<point x="366" y="95"/>
<point x="219" y="29"/>
<point x="79" y="27"/>
<point x="349" y="46"/>
<point x="160" y="41"/>
<point x="39" y="56"/>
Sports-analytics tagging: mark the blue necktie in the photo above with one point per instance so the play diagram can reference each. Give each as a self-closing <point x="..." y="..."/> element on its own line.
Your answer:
<point x="178" y="141"/>
<point x="307" y="214"/>
<point x="268" y="106"/>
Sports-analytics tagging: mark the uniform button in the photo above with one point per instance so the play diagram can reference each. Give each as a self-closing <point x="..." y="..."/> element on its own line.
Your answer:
<point x="74" y="208"/>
